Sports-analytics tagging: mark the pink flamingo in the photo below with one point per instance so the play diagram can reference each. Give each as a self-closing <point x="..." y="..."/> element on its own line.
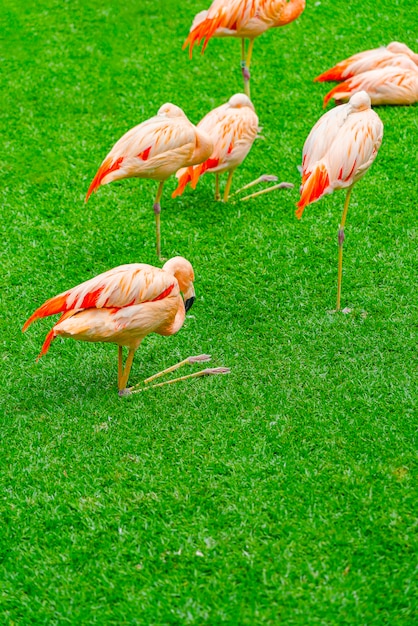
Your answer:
<point x="339" y="150"/>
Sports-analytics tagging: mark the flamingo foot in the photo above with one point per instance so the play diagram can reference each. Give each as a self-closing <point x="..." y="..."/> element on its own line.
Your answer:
<point x="265" y="178"/>
<point x="122" y="393"/>
<point x="268" y="189"/>
<point x="345" y="311"/>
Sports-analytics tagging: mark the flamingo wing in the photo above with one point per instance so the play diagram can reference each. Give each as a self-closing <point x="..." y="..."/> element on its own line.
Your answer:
<point x="343" y="69"/>
<point x="234" y="131"/>
<point x="229" y="17"/>
<point x="339" y="149"/>
<point x="401" y="48"/>
<point x="390" y="85"/>
<point x="233" y="128"/>
<point x="156" y="149"/>
<point x="369" y="60"/>
<point x="365" y="62"/>
<point x="355" y="149"/>
<point x="322" y="136"/>
<point x="120" y="287"/>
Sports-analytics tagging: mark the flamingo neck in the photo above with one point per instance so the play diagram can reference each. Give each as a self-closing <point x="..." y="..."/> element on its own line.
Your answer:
<point x="180" y="317"/>
<point x="178" y="320"/>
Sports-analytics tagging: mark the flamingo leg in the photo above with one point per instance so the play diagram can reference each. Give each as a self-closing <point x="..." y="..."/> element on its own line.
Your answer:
<point x="340" y="246"/>
<point x="123" y="378"/>
<point x="228" y="185"/>
<point x="166" y="371"/>
<point x="250" y="53"/>
<point x="120" y="366"/>
<point x="157" y="212"/>
<point x="217" y="193"/>
<point x="245" y="69"/>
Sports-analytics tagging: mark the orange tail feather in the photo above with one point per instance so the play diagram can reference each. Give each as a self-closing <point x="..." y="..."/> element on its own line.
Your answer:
<point x="52" y="333"/>
<point x="346" y="89"/>
<point x="211" y="30"/>
<point x="50" y="307"/>
<point x="106" y="168"/>
<point x="48" y="340"/>
<point x="183" y="181"/>
<point x="192" y="176"/>
<point x="313" y="188"/>
<point x="199" y="170"/>
<point x="335" y="73"/>
<point x="205" y="30"/>
<point x="191" y="39"/>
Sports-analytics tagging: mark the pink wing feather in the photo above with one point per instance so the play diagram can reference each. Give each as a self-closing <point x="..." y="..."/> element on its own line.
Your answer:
<point x="155" y="149"/>
<point x="339" y="149"/>
<point x="117" y="288"/>
<point x="395" y="54"/>
<point x="233" y="128"/>
<point x="390" y="85"/>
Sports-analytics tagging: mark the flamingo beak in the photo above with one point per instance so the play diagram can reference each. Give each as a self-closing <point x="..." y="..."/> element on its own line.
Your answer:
<point x="189" y="297"/>
<point x="189" y="303"/>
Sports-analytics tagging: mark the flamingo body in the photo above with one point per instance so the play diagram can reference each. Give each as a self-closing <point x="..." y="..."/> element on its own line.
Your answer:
<point x="395" y="55"/>
<point x="155" y="149"/>
<point x="339" y="149"/>
<point x="245" y="19"/>
<point x="389" y="85"/>
<point x="122" y="305"/>
<point x="233" y="127"/>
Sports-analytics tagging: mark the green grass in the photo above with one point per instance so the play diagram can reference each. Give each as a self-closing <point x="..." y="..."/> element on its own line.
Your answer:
<point x="282" y="493"/>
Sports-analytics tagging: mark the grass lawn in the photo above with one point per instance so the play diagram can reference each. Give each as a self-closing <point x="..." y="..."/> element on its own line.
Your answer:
<point x="284" y="493"/>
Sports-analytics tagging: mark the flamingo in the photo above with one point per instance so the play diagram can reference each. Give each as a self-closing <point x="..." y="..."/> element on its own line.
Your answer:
<point x="394" y="54"/>
<point x="388" y="85"/>
<point x="245" y="19"/>
<point x="339" y="150"/>
<point x="233" y="128"/>
<point x="123" y="306"/>
<point x="155" y="149"/>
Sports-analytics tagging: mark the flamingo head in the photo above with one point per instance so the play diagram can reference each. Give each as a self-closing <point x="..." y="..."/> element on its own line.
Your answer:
<point x="182" y="270"/>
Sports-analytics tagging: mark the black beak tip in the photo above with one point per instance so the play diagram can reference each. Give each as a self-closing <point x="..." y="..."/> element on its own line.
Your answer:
<point x="189" y="303"/>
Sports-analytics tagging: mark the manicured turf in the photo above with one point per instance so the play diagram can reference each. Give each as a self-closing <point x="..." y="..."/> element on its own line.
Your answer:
<point x="282" y="493"/>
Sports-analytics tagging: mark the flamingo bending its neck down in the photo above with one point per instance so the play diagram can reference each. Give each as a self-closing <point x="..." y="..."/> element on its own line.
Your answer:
<point x="122" y="306"/>
<point x="394" y="54"/>
<point x="244" y="19"/>
<point x="233" y="128"/>
<point x="154" y="149"/>
<point x="338" y="151"/>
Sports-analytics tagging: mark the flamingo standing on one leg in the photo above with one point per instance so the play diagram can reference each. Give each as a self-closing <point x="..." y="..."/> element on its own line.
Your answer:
<point x="233" y="128"/>
<point x="244" y="19"/>
<point x="338" y="151"/>
<point x="122" y="306"/>
<point x="155" y="149"/>
<point x="388" y="85"/>
<point x="394" y="54"/>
